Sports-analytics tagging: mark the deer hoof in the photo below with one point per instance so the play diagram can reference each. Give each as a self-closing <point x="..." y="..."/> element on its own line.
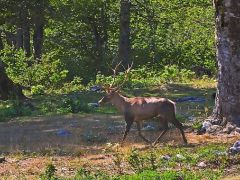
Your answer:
<point x="154" y="144"/>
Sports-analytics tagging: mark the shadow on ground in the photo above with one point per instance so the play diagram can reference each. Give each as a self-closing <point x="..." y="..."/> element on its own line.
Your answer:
<point x="72" y="134"/>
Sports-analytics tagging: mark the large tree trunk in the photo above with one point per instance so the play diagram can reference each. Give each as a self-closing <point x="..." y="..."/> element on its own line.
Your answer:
<point x="227" y="103"/>
<point x="38" y="40"/>
<point x="7" y="88"/>
<point x="19" y="38"/>
<point x="26" y="31"/>
<point x="99" y="46"/>
<point x="38" y="20"/>
<point x="26" y="40"/>
<point x="124" y="39"/>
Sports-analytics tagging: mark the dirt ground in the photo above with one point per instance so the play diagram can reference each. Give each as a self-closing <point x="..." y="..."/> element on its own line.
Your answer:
<point x="72" y="141"/>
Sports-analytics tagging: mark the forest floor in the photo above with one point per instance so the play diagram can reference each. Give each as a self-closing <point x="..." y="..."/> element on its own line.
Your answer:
<point x="74" y="141"/>
<point x="87" y="142"/>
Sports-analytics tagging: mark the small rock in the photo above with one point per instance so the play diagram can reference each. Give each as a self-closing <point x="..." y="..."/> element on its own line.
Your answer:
<point x="206" y="124"/>
<point x="190" y="99"/>
<point x="221" y="153"/>
<point x="229" y="128"/>
<point x="202" y="164"/>
<point x="236" y="144"/>
<point x="166" y="157"/>
<point x="73" y="124"/>
<point x="214" y="128"/>
<point x="148" y="127"/>
<point x="2" y="159"/>
<point x="63" y="133"/>
<point x="192" y="118"/>
<point x="237" y="130"/>
<point x="95" y="88"/>
<point x="93" y="104"/>
<point x="179" y="156"/>
<point x="64" y="169"/>
<point x="235" y="148"/>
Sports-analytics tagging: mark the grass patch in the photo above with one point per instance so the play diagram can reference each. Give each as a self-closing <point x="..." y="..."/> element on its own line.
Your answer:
<point x="150" y="164"/>
<point x="80" y="102"/>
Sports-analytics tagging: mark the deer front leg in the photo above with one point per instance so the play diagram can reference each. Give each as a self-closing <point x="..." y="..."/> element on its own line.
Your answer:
<point x="140" y="133"/>
<point x="129" y="122"/>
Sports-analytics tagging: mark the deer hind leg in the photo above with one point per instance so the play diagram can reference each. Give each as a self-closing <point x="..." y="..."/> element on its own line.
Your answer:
<point x="140" y="133"/>
<point x="180" y="127"/>
<point x="165" y="125"/>
<point x="129" y="122"/>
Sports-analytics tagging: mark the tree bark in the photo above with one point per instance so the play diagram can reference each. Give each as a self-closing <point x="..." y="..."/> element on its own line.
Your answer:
<point x="26" y="31"/>
<point x="7" y="88"/>
<point x="99" y="46"/>
<point x="19" y="39"/>
<point x="38" y="21"/>
<point x="1" y="42"/>
<point x="227" y="102"/>
<point x="38" y="40"/>
<point x="10" y="38"/>
<point x="26" y="40"/>
<point x="124" y="38"/>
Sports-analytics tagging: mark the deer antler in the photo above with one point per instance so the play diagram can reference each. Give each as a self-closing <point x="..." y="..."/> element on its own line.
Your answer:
<point x="126" y="72"/>
<point x="114" y="73"/>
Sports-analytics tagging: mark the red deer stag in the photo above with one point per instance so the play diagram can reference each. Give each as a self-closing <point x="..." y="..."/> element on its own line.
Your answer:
<point x="137" y="109"/>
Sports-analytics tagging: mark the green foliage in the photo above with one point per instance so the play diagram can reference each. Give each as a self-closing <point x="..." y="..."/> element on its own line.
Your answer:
<point x="84" y="174"/>
<point x="81" y="39"/>
<point x="37" y="90"/>
<point x="49" y="173"/>
<point x="152" y="159"/>
<point x="136" y="161"/>
<point x="47" y="73"/>
<point x="197" y="125"/>
<point x="163" y="33"/>
<point x="75" y="85"/>
<point x="117" y="156"/>
<point x="175" y="74"/>
<point x="13" y="108"/>
<point x="145" y="77"/>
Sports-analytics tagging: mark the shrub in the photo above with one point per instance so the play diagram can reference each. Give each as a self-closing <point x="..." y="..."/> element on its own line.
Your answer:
<point x="145" y="77"/>
<point x="37" y="90"/>
<point x="49" y="72"/>
<point x="49" y="173"/>
<point x="136" y="161"/>
<point x="14" y="108"/>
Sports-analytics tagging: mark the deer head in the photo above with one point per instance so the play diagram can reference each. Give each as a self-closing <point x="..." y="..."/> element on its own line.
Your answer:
<point x="112" y="90"/>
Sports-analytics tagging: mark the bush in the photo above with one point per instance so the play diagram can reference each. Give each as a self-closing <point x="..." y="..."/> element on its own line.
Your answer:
<point x="145" y="77"/>
<point x="49" y="173"/>
<point x="37" y="90"/>
<point x="14" y="108"/>
<point x="48" y="73"/>
<point x="74" y="86"/>
<point x="174" y="74"/>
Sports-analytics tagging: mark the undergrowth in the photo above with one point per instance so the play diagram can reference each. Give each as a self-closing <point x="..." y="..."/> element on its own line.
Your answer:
<point x="168" y="163"/>
<point x="73" y="97"/>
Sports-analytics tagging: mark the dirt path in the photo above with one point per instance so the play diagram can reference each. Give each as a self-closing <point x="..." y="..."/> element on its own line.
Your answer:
<point x="70" y="133"/>
<point x="72" y="141"/>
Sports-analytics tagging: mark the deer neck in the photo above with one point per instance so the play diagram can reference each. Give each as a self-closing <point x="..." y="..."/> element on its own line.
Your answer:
<point x="120" y="102"/>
